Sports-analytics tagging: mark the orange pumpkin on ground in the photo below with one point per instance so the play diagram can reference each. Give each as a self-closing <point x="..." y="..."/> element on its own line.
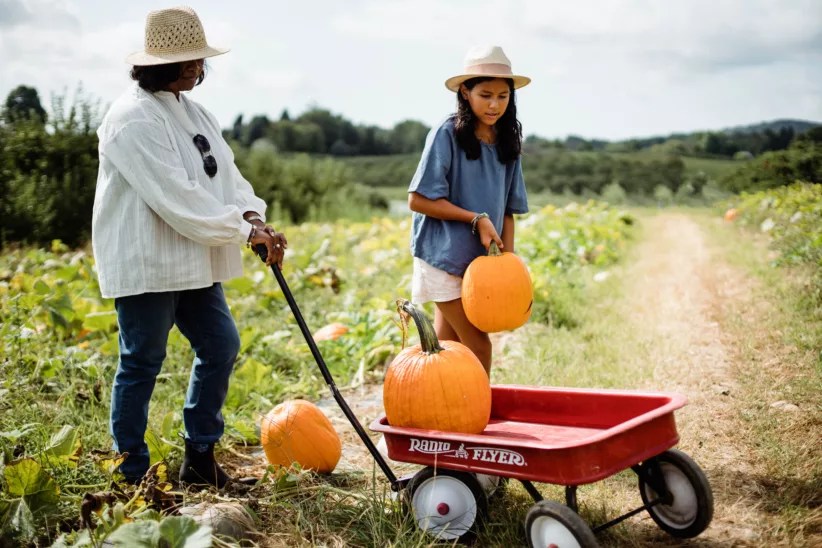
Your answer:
<point x="496" y="291"/>
<point x="436" y="385"/>
<point x="331" y="332"/>
<point x="297" y="431"/>
<point x="731" y="214"/>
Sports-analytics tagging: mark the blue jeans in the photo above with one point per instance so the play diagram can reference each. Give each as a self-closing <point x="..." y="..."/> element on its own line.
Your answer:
<point x="145" y="320"/>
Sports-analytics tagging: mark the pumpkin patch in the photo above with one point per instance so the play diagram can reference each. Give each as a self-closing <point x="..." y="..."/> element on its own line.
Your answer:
<point x="496" y="291"/>
<point x="438" y="385"/>
<point x="296" y="431"/>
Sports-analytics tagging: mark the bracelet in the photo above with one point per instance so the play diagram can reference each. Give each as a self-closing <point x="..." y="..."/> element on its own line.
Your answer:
<point x="254" y="217"/>
<point x="251" y="235"/>
<point x="475" y="220"/>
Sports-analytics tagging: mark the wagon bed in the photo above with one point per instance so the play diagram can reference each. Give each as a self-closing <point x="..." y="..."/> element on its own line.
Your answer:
<point x="562" y="436"/>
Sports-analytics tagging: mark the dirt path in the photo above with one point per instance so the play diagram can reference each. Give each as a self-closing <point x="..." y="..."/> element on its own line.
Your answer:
<point x="679" y="288"/>
<point x="675" y="291"/>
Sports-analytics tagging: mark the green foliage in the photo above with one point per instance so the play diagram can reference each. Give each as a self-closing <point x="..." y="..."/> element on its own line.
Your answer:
<point x="802" y="161"/>
<point x="792" y="217"/>
<point x="663" y="195"/>
<point x="559" y="171"/>
<point x="614" y="194"/>
<point x="558" y="243"/>
<point x="23" y="103"/>
<point x="48" y="174"/>
<point x="302" y="188"/>
<point x="319" y="131"/>
<point x="381" y="171"/>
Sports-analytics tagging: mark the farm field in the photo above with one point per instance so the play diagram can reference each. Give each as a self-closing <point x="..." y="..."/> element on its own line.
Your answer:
<point x="663" y="300"/>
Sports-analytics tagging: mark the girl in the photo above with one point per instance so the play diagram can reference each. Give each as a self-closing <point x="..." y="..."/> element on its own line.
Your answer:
<point x="466" y="190"/>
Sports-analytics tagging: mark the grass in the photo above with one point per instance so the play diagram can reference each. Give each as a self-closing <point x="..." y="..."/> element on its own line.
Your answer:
<point x="779" y="360"/>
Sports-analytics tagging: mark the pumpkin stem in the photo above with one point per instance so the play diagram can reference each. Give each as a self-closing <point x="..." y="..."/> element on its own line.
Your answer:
<point x="493" y="249"/>
<point x="428" y="337"/>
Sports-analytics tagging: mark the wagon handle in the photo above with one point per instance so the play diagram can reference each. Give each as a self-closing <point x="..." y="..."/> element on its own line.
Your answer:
<point x="261" y="250"/>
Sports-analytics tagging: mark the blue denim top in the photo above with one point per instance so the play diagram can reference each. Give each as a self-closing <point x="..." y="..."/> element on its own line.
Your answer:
<point x="481" y="185"/>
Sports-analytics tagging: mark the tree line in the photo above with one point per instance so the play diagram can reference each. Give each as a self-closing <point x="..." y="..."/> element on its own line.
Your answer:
<point x="322" y="166"/>
<point x="319" y="131"/>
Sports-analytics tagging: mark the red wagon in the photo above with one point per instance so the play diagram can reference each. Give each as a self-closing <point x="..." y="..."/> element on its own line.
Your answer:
<point x="562" y="436"/>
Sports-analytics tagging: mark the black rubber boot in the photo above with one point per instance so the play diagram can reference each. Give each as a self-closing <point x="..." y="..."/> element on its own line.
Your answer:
<point x="200" y="468"/>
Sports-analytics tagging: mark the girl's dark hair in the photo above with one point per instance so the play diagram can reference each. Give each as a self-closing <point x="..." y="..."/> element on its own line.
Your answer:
<point x="158" y="77"/>
<point x="509" y="130"/>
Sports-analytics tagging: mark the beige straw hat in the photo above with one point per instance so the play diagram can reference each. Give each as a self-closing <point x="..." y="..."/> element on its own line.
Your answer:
<point x="173" y="35"/>
<point x="488" y="61"/>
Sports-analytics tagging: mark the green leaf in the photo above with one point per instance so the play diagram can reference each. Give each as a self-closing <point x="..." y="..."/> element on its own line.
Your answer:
<point x="248" y="335"/>
<point x="18" y="519"/>
<point x="245" y="428"/>
<point x="159" y="447"/>
<point x="26" y="478"/>
<point x="112" y="346"/>
<point x="254" y="372"/>
<point x="17" y="433"/>
<point x="41" y="287"/>
<point x="243" y="285"/>
<point x="57" y="319"/>
<point x="81" y="539"/>
<point x="100" y="321"/>
<point x="169" y="426"/>
<point x="183" y="532"/>
<point x="251" y="376"/>
<point x="64" y="444"/>
<point x="144" y="533"/>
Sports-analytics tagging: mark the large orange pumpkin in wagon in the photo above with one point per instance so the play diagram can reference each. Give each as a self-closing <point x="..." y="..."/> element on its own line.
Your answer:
<point x="496" y="291"/>
<point x="436" y="385"/>
<point x="297" y="431"/>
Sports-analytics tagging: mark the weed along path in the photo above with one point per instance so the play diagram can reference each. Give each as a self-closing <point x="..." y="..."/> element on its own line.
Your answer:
<point x="675" y="316"/>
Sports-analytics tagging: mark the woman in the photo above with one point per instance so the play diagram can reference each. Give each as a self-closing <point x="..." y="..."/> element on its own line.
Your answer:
<point x="171" y="211"/>
<point x="466" y="190"/>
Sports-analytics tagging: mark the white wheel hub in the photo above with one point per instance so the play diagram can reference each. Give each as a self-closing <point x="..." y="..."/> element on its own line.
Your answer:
<point x="683" y="509"/>
<point x="444" y="506"/>
<point x="547" y="531"/>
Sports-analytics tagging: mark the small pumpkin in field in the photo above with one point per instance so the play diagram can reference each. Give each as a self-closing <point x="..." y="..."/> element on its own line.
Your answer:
<point x="297" y="431"/>
<point x="496" y="291"/>
<point x="731" y="214"/>
<point x="436" y="385"/>
<point x="331" y="332"/>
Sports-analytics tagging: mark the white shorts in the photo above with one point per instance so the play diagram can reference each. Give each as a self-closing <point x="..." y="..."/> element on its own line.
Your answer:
<point x="432" y="284"/>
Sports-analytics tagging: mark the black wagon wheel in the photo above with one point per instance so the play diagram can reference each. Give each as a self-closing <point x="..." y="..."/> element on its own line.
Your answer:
<point x="690" y="506"/>
<point x="447" y="504"/>
<point x="554" y="525"/>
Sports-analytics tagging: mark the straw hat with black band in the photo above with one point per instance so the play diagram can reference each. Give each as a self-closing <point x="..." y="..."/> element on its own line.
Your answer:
<point x="488" y="62"/>
<point x="173" y="35"/>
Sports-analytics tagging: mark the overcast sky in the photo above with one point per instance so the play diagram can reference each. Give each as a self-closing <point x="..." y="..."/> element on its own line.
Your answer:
<point x="601" y="68"/>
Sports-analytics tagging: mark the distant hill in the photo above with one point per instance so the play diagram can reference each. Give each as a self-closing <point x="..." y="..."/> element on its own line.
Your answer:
<point x="798" y="126"/>
<point x="752" y="139"/>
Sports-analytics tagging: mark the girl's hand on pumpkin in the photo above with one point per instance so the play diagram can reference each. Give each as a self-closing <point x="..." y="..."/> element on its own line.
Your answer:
<point x="488" y="233"/>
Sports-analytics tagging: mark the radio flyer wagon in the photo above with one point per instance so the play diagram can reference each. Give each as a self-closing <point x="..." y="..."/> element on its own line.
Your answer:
<point x="562" y="436"/>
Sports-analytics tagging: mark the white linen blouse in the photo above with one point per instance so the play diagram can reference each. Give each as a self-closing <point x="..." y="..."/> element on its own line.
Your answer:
<point x="160" y="223"/>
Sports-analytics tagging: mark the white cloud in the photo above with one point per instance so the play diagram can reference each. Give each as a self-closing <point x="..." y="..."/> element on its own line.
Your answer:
<point x="604" y="68"/>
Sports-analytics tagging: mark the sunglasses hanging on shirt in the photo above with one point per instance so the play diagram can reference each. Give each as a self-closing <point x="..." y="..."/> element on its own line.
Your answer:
<point x="209" y="163"/>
